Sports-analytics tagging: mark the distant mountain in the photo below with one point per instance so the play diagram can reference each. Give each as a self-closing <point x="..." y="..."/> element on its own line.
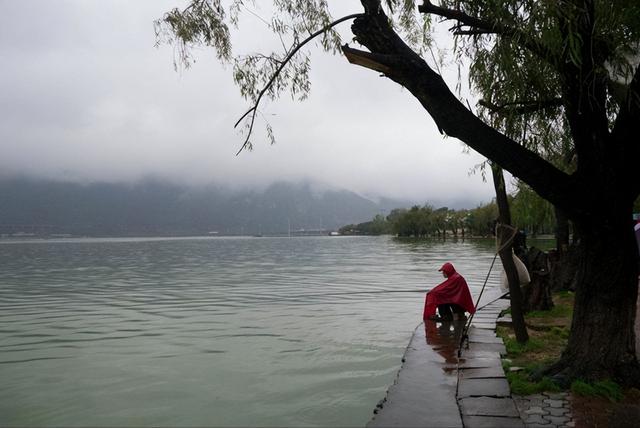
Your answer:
<point x="163" y="209"/>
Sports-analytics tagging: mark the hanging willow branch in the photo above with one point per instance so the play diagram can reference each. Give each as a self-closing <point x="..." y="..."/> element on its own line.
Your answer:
<point x="254" y="109"/>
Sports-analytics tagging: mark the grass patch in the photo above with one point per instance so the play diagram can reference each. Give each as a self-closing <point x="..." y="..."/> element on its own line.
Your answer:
<point x="521" y="384"/>
<point x="515" y="348"/>
<point x="548" y="335"/>
<point x="605" y="388"/>
<point x="558" y="311"/>
<point x="562" y="309"/>
<point x="543" y="348"/>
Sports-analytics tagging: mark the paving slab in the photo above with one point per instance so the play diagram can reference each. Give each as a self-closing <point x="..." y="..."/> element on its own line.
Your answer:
<point x="486" y="315"/>
<point x="488" y="406"/>
<point x="491" y="422"/>
<point x="495" y="347"/>
<point x="482" y="373"/>
<point x="485" y="326"/>
<point x="468" y="354"/>
<point x="535" y="419"/>
<point x="484" y="338"/>
<point x="487" y="387"/>
<point x="491" y="320"/>
<point x="424" y="394"/>
<point x="477" y="363"/>
<point x="474" y="329"/>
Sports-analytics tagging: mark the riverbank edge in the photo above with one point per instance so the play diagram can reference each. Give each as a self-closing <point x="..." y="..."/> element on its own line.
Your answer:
<point x="411" y="400"/>
<point x="478" y="393"/>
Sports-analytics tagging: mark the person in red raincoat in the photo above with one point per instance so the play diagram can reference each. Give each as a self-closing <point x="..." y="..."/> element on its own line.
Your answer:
<point x="452" y="293"/>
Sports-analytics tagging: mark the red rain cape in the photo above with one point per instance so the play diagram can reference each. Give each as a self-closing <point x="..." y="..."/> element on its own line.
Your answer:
<point x="453" y="290"/>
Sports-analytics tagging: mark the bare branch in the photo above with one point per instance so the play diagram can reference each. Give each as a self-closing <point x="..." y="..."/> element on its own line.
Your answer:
<point x="458" y="15"/>
<point x="472" y="32"/>
<point x="483" y="26"/>
<point x="253" y="110"/>
<point x="521" y="107"/>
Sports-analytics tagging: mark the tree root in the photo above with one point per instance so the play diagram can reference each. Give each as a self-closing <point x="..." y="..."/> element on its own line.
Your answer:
<point x="566" y="370"/>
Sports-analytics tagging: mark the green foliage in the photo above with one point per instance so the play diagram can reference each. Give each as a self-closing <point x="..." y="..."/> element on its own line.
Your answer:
<point x="257" y="75"/>
<point x="521" y="384"/>
<point x="558" y="311"/>
<point x="520" y="76"/>
<point x="201" y="23"/>
<point x="605" y="388"/>
<point x="481" y="220"/>
<point x="521" y="53"/>
<point x="378" y="226"/>
<point x="425" y="221"/>
<point x="516" y="348"/>
<point x="428" y="222"/>
<point x="530" y="212"/>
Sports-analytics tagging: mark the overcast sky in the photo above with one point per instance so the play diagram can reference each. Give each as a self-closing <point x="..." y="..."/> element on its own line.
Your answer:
<point x="87" y="97"/>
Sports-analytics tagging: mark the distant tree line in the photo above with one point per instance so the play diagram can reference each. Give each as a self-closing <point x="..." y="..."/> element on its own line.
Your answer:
<point x="530" y="213"/>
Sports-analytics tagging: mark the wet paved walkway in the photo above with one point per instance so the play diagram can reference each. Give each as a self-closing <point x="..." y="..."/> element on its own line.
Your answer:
<point x="483" y="392"/>
<point x="548" y="410"/>
<point x="423" y="394"/>
<point x="435" y="388"/>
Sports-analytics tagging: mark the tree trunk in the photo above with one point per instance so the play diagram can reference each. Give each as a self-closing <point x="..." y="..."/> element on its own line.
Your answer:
<point x="506" y="255"/>
<point x="602" y="340"/>
<point x="562" y="232"/>
<point x="563" y="270"/>
<point x="537" y="294"/>
<point x="564" y="262"/>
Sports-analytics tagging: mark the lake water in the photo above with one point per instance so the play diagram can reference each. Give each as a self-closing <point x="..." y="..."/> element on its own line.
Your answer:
<point x="212" y="331"/>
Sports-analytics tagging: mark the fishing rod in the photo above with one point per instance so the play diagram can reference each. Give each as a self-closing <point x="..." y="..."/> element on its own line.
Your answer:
<point x="464" y="338"/>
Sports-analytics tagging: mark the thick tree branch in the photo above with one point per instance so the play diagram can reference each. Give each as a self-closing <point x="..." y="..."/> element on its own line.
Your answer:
<point x="460" y="16"/>
<point x="254" y="109"/>
<point x="408" y="69"/>
<point x="483" y="26"/>
<point x="366" y="59"/>
<point x="471" y="32"/>
<point x="521" y="107"/>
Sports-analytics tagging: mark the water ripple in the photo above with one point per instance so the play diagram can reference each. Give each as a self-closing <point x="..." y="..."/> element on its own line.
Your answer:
<point x="229" y="331"/>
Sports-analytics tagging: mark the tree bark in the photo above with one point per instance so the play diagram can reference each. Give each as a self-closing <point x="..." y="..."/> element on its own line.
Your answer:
<point x="602" y="340"/>
<point x="562" y="232"/>
<point x="537" y="294"/>
<point x="506" y="255"/>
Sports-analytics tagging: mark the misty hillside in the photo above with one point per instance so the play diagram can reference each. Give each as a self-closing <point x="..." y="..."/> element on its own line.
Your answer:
<point x="156" y="208"/>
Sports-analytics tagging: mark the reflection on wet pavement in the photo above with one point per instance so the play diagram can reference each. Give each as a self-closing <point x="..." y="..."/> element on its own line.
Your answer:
<point x="444" y="338"/>
<point x="424" y="393"/>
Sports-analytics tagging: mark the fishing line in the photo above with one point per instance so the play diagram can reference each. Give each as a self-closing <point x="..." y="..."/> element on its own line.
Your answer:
<point x="350" y="293"/>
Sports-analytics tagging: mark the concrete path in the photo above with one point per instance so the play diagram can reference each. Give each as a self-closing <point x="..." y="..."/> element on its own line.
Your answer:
<point x="483" y="392"/>
<point x="435" y="388"/>
<point x="425" y="389"/>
